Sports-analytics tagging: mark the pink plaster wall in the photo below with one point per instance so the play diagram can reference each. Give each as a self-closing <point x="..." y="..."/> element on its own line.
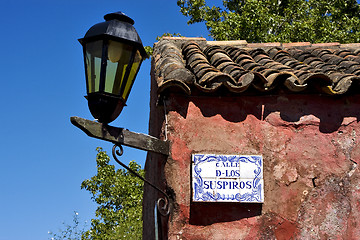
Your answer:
<point x="310" y="147"/>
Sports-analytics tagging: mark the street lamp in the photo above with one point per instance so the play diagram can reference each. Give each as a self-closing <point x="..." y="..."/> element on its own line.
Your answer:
<point x="113" y="53"/>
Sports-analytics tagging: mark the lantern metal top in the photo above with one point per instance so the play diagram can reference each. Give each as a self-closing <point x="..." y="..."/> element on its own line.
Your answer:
<point x="117" y="26"/>
<point x="119" y="16"/>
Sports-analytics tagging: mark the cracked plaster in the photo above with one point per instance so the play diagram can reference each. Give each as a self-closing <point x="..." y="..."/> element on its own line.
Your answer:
<point x="310" y="166"/>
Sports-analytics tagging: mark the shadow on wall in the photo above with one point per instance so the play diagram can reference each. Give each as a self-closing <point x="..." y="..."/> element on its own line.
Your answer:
<point x="284" y="110"/>
<point x="330" y="110"/>
<point x="222" y="212"/>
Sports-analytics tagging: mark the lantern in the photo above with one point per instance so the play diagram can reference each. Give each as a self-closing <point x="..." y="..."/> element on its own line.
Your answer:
<point x="113" y="53"/>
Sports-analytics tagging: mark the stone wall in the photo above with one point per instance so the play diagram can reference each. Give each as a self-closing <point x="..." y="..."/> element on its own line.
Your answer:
<point x="310" y="147"/>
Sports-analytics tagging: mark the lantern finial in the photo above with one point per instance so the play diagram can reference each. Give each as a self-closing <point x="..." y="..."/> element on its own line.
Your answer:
<point x="119" y="16"/>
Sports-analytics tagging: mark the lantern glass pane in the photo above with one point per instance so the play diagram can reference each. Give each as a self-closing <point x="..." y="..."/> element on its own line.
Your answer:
<point x="93" y="65"/>
<point x="132" y="75"/>
<point x="119" y="55"/>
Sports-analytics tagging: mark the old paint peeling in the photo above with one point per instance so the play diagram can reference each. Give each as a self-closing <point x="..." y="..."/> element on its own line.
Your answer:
<point x="310" y="156"/>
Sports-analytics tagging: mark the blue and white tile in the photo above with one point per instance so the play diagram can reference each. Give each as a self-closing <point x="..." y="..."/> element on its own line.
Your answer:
<point x="253" y="192"/>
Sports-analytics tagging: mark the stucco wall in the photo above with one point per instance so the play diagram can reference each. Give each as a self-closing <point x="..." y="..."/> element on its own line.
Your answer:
<point x="310" y="147"/>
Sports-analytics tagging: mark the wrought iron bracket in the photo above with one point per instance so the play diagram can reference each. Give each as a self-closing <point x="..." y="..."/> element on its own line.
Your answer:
<point x="121" y="136"/>
<point x="163" y="205"/>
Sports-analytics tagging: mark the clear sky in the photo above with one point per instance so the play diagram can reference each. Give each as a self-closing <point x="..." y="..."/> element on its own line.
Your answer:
<point x="44" y="158"/>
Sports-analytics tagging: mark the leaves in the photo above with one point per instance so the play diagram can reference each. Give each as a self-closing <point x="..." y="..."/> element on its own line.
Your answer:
<point x="278" y="21"/>
<point x="168" y="35"/>
<point x="149" y="50"/>
<point x="70" y="232"/>
<point x="119" y="196"/>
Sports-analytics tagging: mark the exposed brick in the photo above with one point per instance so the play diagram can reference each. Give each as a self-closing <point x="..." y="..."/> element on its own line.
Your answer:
<point x="264" y="45"/>
<point x="350" y="45"/>
<point x="185" y="38"/>
<point x="296" y="44"/>
<point x="327" y="45"/>
<point x="228" y="43"/>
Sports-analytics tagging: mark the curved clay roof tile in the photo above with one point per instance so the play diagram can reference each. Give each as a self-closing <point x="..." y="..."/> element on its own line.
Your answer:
<point x="182" y="65"/>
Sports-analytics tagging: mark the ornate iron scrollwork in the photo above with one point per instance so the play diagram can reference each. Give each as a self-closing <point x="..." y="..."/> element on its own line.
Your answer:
<point x="163" y="204"/>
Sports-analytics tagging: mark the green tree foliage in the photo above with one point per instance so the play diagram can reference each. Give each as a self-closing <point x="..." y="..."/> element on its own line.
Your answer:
<point x="69" y="232"/>
<point x="278" y="20"/>
<point x="149" y="50"/>
<point x="119" y="197"/>
<point x="168" y="35"/>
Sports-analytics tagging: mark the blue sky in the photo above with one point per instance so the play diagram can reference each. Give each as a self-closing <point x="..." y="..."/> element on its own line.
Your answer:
<point x="44" y="158"/>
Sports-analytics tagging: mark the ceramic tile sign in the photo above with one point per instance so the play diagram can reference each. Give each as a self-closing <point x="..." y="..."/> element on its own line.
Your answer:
<point x="227" y="178"/>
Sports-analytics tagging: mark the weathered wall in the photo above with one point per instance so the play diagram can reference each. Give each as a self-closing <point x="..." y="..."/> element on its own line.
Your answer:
<point x="154" y="170"/>
<point x="310" y="147"/>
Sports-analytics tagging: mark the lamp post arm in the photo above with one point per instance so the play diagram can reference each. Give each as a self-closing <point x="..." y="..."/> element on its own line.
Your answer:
<point x="121" y="136"/>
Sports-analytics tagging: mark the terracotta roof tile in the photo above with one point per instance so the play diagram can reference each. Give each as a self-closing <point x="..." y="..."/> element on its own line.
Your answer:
<point x="195" y="66"/>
